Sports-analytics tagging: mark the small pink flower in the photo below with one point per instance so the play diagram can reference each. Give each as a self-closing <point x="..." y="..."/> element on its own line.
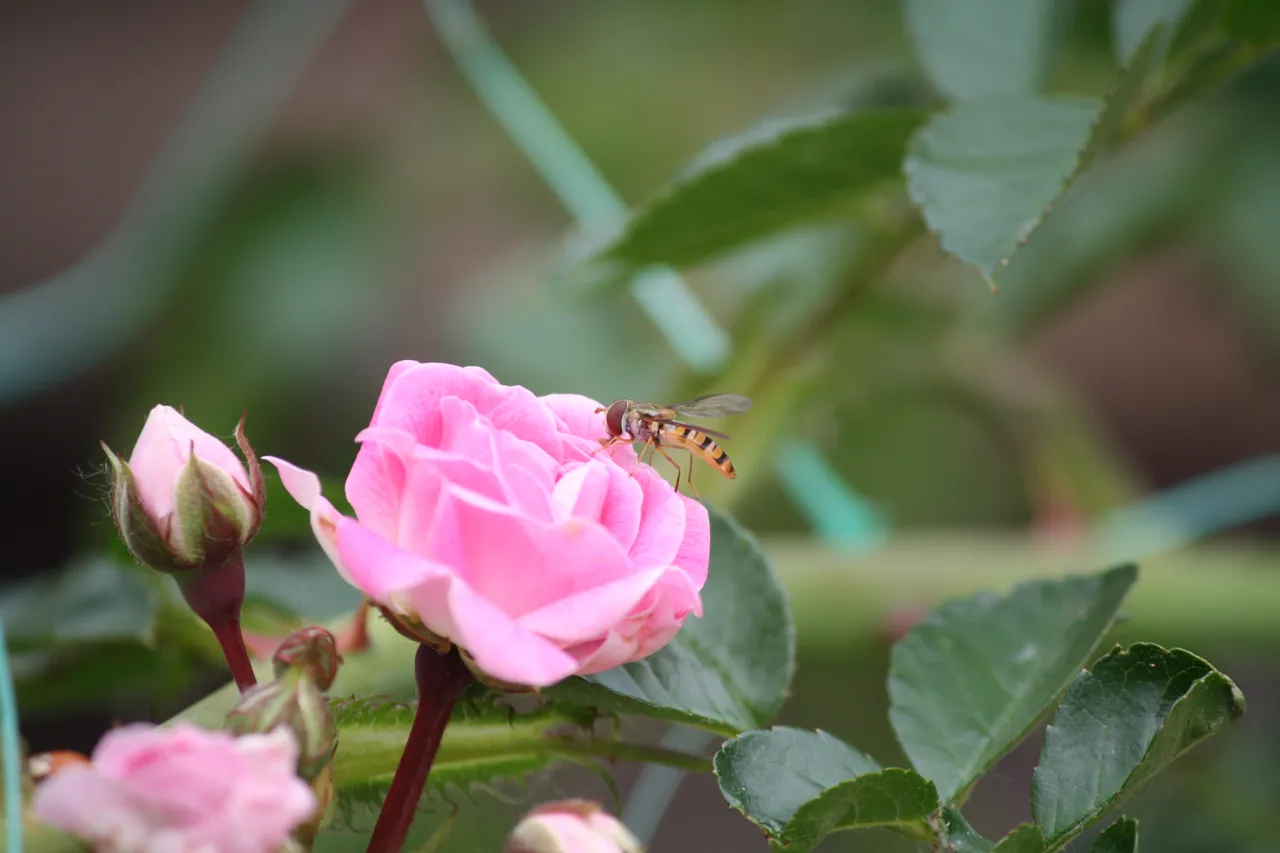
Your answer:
<point x="571" y="826"/>
<point x="485" y="518"/>
<point x="180" y="790"/>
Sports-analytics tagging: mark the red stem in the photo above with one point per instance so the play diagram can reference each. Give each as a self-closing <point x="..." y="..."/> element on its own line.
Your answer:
<point x="441" y="680"/>
<point x="216" y="595"/>
<point x="233" y="649"/>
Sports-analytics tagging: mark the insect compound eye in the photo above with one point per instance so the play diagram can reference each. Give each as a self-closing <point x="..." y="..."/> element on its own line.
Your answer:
<point x="613" y="417"/>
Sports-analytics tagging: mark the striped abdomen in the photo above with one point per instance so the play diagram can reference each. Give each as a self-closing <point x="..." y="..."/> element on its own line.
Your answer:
<point x="699" y="444"/>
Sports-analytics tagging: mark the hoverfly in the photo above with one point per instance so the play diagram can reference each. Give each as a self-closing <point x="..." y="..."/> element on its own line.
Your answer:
<point x="627" y="420"/>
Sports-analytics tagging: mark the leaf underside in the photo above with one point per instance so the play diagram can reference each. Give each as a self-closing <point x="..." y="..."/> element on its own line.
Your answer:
<point x="986" y="172"/>
<point x="982" y="48"/>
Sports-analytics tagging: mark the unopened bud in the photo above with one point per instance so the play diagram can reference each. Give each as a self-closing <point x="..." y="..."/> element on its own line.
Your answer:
<point x="571" y="826"/>
<point x="184" y="501"/>
<point x="292" y="701"/>
<point x="312" y="650"/>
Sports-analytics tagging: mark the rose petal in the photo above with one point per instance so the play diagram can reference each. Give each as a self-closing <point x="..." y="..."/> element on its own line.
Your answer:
<point x="568" y="833"/>
<point x="80" y="801"/>
<point x="304" y="487"/>
<point x="601" y="491"/>
<point x="591" y="613"/>
<point x="183" y="788"/>
<point x="412" y="402"/>
<point x="584" y="427"/>
<point x="162" y="450"/>
<point x="524" y="471"/>
<point x="662" y="523"/>
<point x="375" y="484"/>
<point x="694" y="555"/>
<point x="519" y="563"/>
<point x="501" y="647"/>
<point x="383" y="571"/>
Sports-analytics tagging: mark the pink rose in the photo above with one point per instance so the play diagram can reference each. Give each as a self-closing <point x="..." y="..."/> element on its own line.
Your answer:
<point x="484" y="517"/>
<point x="571" y="826"/>
<point x="152" y="790"/>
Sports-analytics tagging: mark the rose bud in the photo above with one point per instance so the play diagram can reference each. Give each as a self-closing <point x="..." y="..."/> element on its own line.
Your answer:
<point x="296" y="701"/>
<point x="571" y="826"/>
<point x="180" y="788"/>
<point x="185" y="504"/>
<point x="314" y="650"/>
<point x="184" y="501"/>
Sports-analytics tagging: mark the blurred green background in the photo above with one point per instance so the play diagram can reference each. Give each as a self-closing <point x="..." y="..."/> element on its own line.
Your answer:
<point x="258" y="207"/>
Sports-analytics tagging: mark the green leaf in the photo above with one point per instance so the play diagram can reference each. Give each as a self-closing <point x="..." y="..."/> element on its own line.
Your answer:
<point x="777" y="176"/>
<point x="959" y="836"/>
<point x="1120" y="837"/>
<point x="985" y="173"/>
<point x="726" y="672"/>
<point x="967" y="683"/>
<point x="983" y="48"/>
<point x="94" y="601"/>
<point x="1025" y="839"/>
<point x="1132" y="21"/>
<point x="1122" y="722"/>
<point x="307" y="587"/>
<point x="486" y="746"/>
<point x="1254" y="21"/>
<point x="800" y="786"/>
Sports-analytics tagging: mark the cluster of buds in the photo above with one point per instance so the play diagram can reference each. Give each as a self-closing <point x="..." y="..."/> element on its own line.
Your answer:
<point x="305" y="665"/>
<point x="571" y="826"/>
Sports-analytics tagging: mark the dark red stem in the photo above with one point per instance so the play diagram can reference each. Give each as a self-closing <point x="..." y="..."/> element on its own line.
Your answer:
<point x="216" y="596"/>
<point x="441" y="680"/>
<point x="233" y="649"/>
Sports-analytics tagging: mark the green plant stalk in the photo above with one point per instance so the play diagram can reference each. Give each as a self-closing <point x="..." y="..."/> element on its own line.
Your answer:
<point x="370" y="753"/>
<point x="843" y="602"/>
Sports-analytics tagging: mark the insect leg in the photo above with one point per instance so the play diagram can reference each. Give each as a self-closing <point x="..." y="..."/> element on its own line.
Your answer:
<point x="691" y="485"/>
<point x="606" y="443"/>
<point x="648" y="448"/>
<point x="679" y="471"/>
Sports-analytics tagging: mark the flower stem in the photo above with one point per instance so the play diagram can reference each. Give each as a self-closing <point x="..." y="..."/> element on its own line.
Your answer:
<point x="233" y="648"/>
<point x="216" y="596"/>
<point x="441" y="679"/>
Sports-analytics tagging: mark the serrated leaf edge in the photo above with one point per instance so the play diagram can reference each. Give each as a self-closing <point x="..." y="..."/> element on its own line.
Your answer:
<point x="977" y="773"/>
<point x="1085" y="155"/>
<point x="1235" y="710"/>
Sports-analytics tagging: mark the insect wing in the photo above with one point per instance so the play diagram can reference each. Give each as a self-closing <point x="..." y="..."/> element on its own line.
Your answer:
<point x="713" y="406"/>
<point x="696" y="428"/>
